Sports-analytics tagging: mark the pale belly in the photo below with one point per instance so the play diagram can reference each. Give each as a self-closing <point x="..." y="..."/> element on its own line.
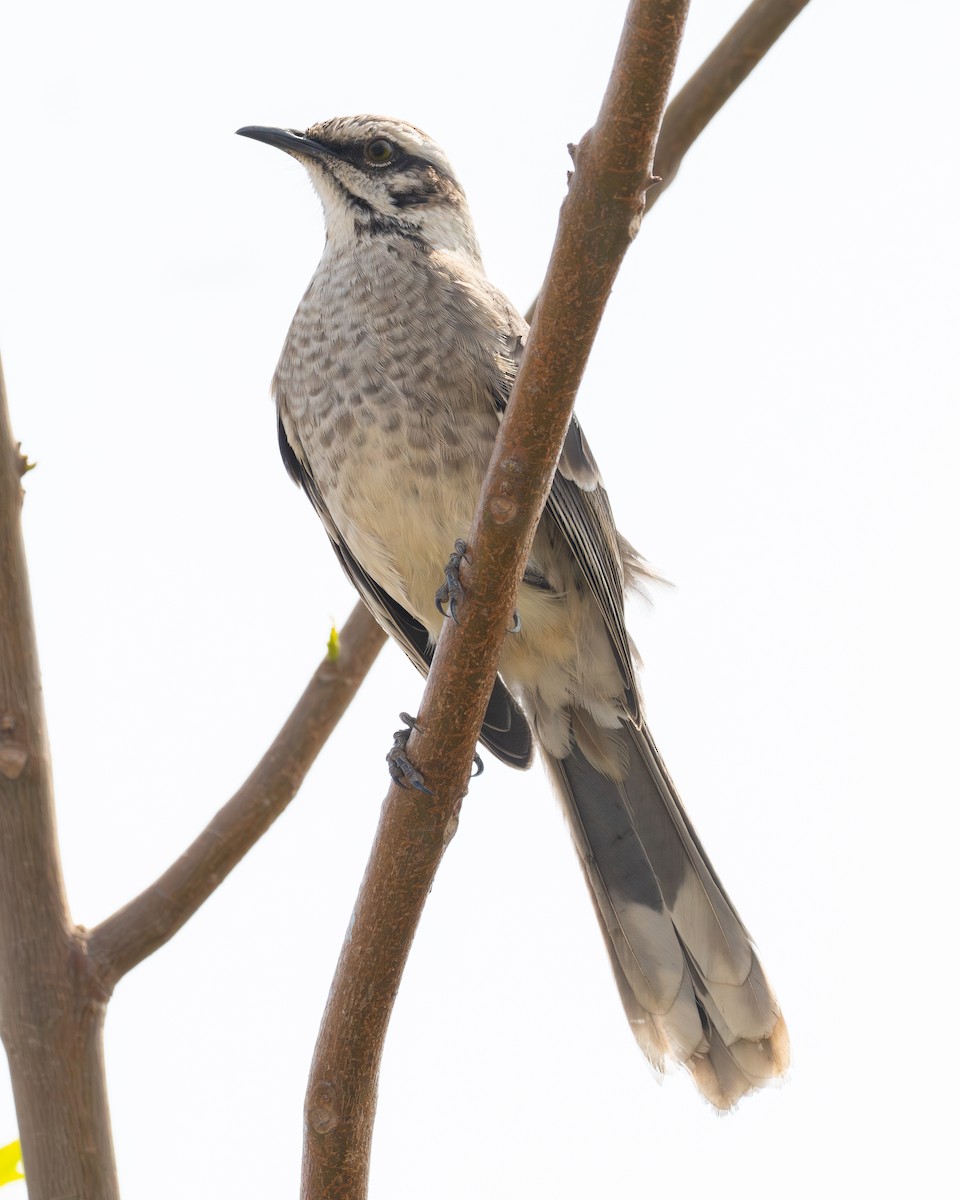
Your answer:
<point x="401" y="507"/>
<point x="404" y="501"/>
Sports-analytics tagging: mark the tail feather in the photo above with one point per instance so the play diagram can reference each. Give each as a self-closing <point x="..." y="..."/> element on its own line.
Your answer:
<point x="675" y="1035"/>
<point x="718" y="1077"/>
<point x="725" y="1074"/>
<point x="688" y="974"/>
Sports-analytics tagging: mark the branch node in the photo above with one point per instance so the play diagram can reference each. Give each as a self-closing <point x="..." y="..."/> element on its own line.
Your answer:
<point x="12" y="761"/>
<point x="323" y="1117"/>
<point x="503" y="509"/>
<point x="13" y="755"/>
<point x="451" y="827"/>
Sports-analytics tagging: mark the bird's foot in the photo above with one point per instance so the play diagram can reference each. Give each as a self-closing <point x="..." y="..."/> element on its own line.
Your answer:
<point x="450" y="594"/>
<point x="402" y="771"/>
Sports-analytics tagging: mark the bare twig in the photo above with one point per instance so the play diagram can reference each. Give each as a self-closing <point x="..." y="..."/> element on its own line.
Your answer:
<point x="599" y="219"/>
<point x="50" y="1021"/>
<point x="153" y="917"/>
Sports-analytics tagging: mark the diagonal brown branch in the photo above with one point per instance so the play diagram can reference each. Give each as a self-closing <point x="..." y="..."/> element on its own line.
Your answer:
<point x="152" y="918"/>
<point x="599" y="218"/>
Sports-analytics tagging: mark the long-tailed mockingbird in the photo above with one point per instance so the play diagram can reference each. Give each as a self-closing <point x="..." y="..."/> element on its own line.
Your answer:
<point x="390" y="389"/>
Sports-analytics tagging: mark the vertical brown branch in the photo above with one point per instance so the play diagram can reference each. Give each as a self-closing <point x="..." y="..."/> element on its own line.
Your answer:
<point x="50" y="1024"/>
<point x="599" y="219"/>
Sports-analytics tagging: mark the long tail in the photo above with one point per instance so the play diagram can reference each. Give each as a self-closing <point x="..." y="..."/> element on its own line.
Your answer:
<point x="689" y="977"/>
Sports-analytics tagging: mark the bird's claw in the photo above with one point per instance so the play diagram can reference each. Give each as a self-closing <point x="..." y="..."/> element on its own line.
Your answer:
<point x="450" y="594"/>
<point x="515" y="627"/>
<point x="478" y="762"/>
<point x="402" y="771"/>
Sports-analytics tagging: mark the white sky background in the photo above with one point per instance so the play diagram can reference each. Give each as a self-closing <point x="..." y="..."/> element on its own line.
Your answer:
<point x="773" y="401"/>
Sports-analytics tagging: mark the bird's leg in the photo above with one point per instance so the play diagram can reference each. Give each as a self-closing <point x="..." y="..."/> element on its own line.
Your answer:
<point x="402" y="771"/>
<point x="450" y="593"/>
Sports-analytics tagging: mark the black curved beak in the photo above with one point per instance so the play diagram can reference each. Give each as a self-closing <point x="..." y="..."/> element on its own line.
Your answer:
<point x="290" y="140"/>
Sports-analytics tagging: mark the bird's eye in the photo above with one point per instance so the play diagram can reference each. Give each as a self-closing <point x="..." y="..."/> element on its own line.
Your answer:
<point x="379" y="151"/>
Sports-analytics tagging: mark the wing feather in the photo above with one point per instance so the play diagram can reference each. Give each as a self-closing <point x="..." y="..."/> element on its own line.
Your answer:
<point x="579" y="508"/>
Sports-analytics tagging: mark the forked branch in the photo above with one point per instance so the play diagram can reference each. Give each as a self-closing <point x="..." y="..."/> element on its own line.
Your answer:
<point x="152" y="918"/>
<point x="715" y="81"/>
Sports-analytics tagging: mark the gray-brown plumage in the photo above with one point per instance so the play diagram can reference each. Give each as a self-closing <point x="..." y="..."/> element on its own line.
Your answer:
<point x="390" y="388"/>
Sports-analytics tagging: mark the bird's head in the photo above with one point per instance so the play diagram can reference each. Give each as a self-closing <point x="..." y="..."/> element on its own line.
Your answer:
<point x="378" y="175"/>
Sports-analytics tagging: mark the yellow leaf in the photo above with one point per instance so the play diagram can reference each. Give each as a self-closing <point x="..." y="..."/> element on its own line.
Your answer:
<point x="333" y="644"/>
<point x="10" y="1163"/>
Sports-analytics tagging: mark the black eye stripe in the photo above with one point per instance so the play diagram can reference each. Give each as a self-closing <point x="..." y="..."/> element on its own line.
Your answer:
<point x="411" y="180"/>
<point x="356" y="153"/>
<point x="411" y="198"/>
